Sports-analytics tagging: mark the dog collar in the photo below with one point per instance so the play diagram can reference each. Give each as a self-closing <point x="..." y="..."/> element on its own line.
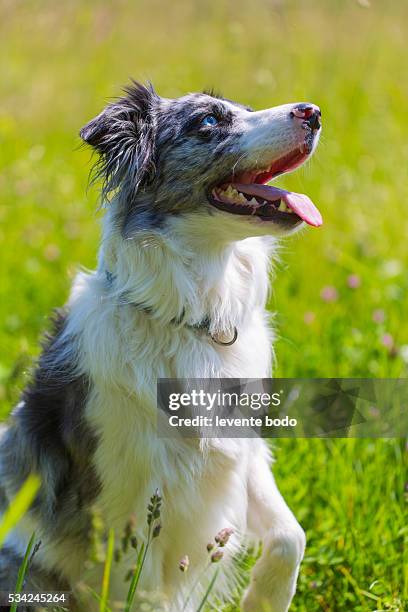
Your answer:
<point x="217" y="338"/>
<point x="203" y="325"/>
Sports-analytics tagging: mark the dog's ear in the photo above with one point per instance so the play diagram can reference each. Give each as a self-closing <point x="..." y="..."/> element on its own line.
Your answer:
<point x="123" y="135"/>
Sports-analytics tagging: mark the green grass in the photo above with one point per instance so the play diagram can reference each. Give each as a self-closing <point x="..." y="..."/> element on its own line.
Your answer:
<point x="19" y="506"/>
<point x="61" y="61"/>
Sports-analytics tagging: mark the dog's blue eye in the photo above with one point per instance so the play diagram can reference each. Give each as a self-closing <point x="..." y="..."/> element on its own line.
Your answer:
<point x="209" y="120"/>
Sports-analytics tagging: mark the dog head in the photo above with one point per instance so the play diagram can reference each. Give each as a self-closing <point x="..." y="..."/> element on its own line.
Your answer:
<point x="203" y="159"/>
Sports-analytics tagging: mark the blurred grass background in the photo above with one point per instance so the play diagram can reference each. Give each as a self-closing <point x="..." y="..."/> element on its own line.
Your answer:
<point x="340" y="292"/>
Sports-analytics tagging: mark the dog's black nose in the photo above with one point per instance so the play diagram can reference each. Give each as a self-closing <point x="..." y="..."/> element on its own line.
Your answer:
<point x="308" y="112"/>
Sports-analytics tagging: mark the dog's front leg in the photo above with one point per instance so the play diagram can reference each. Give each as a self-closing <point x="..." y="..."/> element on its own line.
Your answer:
<point x="273" y="580"/>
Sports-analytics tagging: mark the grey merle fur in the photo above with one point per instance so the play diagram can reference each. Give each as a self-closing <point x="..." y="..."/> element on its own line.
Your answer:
<point x="157" y="157"/>
<point x="47" y="435"/>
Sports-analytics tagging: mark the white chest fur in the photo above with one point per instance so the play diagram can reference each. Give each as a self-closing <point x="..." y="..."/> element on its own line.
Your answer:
<point x="124" y="351"/>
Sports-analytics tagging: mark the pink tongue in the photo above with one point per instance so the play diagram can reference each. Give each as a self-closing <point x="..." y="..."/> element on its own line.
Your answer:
<point x="298" y="202"/>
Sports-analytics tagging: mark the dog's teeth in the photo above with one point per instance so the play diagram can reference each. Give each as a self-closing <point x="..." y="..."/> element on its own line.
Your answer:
<point x="237" y="197"/>
<point x="283" y="207"/>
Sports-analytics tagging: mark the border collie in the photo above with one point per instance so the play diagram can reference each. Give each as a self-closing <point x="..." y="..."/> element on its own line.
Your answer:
<point x="179" y="292"/>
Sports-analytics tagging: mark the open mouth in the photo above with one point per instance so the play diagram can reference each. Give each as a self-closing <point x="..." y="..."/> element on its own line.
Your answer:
<point x="247" y="194"/>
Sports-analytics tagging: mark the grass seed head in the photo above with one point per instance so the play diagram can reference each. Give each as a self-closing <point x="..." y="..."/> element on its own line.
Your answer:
<point x="184" y="563"/>
<point x="223" y="536"/>
<point x="217" y="555"/>
<point x="154" y="507"/>
<point x="156" y="530"/>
